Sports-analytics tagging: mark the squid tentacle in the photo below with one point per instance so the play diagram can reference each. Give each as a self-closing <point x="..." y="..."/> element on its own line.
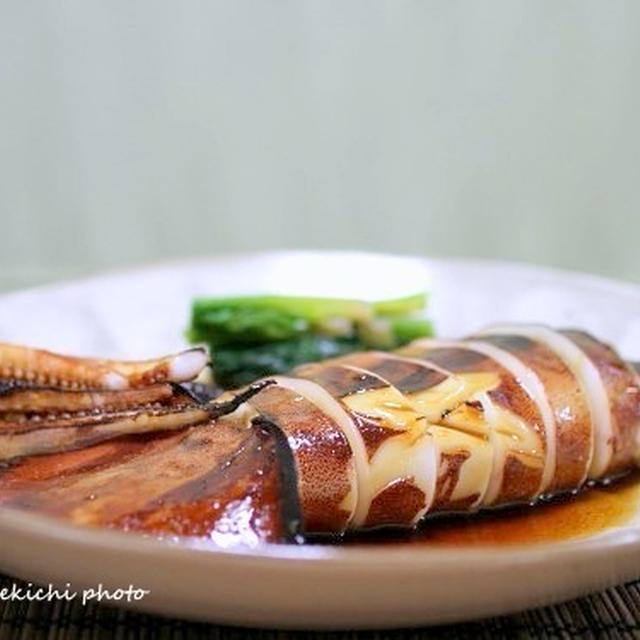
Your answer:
<point x="24" y="366"/>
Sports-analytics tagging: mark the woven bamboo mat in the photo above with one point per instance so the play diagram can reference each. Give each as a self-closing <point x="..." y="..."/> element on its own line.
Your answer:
<point x="614" y="613"/>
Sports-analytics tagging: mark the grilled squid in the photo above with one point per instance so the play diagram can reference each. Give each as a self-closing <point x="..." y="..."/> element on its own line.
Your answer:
<point x="510" y="415"/>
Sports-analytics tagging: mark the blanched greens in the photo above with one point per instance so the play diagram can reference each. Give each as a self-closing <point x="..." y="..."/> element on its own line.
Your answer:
<point x="254" y="336"/>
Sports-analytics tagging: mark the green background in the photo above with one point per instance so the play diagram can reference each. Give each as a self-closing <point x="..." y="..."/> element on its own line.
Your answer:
<point x="137" y="131"/>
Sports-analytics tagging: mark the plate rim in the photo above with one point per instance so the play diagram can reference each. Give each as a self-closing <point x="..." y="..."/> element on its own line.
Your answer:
<point x="586" y="278"/>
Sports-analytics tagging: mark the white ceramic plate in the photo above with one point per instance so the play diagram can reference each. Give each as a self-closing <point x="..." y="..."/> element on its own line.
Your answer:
<point x="143" y="313"/>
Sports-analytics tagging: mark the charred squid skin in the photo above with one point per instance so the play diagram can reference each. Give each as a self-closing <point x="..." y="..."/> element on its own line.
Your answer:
<point x="506" y="413"/>
<point x="329" y="452"/>
<point x="462" y="455"/>
<point x="574" y="436"/>
<point x="324" y="460"/>
<point x="396" y="474"/>
<point x="621" y="386"/>
<point x="290" y="507"/>
<point x="590" y="383"/>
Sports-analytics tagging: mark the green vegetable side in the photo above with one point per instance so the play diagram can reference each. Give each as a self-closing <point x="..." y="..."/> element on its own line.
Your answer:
<point x="254" y="336"/>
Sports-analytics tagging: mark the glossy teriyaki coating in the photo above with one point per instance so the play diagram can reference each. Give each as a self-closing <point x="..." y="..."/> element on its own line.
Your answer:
<point x="371" y="439"/>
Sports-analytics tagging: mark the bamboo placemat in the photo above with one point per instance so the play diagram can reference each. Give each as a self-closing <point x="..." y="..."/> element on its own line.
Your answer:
<point x="614" y="613"/>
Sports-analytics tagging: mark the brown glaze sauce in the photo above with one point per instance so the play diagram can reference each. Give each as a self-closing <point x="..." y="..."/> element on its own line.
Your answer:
<point x="593" y="510"/>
